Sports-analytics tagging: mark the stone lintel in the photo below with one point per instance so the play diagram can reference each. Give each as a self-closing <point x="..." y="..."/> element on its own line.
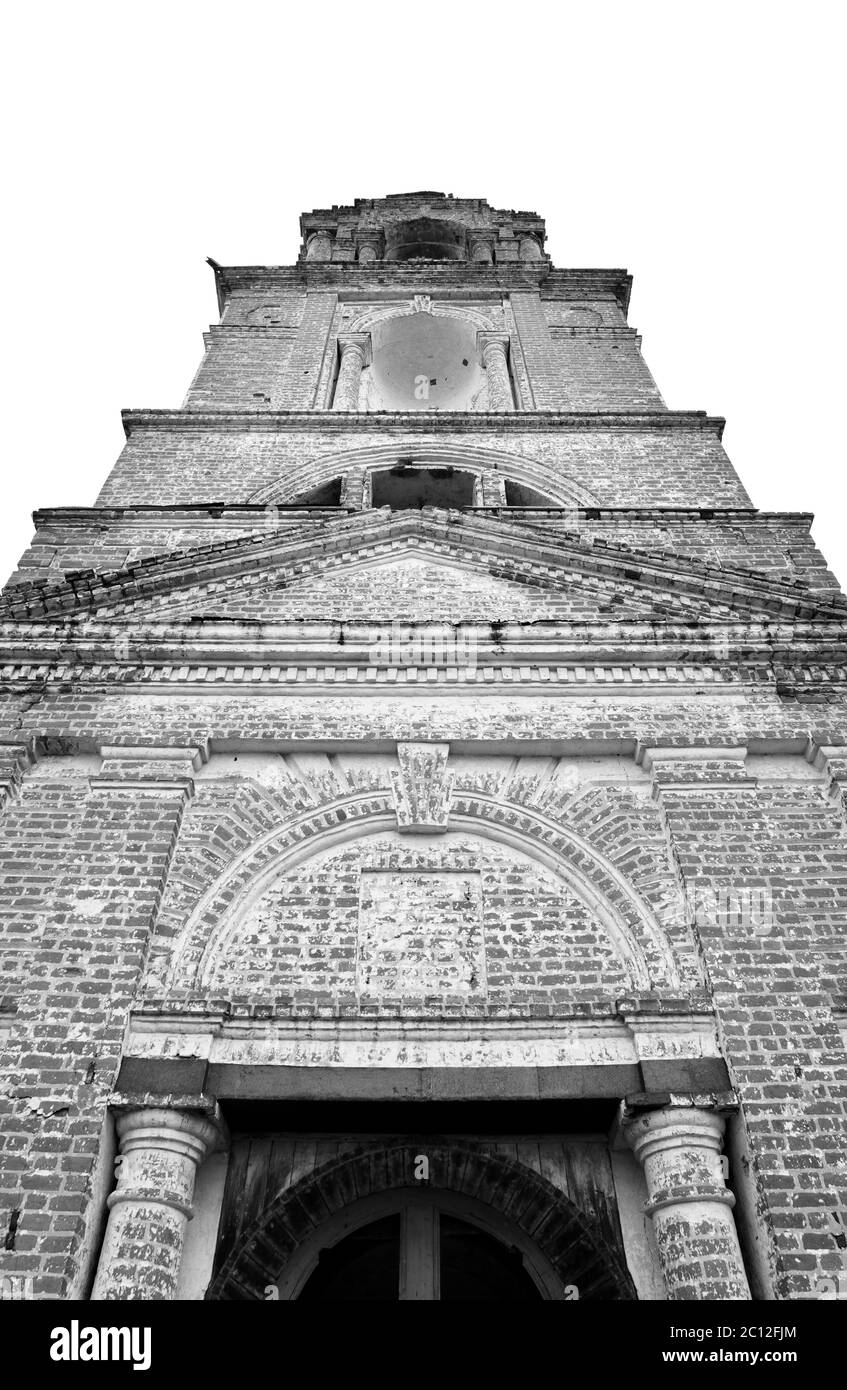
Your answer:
<point x="154" y="1078"/>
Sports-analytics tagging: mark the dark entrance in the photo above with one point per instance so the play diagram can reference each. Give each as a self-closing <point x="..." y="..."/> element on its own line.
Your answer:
<point x="420" y="1253"/>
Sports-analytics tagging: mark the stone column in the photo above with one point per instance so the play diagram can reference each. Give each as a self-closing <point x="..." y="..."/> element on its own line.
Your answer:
<point x="493" y="350"/>
<point x="319" y="245"/>
<point x="355" y="349"/>
<point x="160" y="1152"/>
<point x="369" y="246"/>
<point x="481" y="250"/>
<point x="679" y="1148"/>
<point x="530" y="249"/>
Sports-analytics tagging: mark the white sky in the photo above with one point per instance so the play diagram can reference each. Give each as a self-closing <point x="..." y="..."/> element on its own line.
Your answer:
<point x="700" y="146"/>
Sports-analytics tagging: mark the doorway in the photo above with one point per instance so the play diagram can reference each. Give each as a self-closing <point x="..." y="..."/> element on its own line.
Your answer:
<point x="420" y="1253"/>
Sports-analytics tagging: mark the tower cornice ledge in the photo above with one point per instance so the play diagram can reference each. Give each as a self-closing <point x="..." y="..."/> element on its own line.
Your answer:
<point x="422" y="422"/>
<point x="215" y="512"/>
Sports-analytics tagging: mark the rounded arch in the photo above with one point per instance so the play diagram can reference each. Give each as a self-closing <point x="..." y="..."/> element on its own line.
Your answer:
<point x="377" y="314"/>
<point x="639" y="940"/>
<point x="562" y="1243"/>
<point x="563" y="490"/>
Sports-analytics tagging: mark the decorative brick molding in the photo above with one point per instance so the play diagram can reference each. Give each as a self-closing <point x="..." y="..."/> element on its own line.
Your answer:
<point x="639" y="940"/>
<point x="15" y="760"/>
<point x="831" y="760"/>
<point x="699" y="769"/>
<point x="564" y="1234"/>
<point x="149" y="769"/>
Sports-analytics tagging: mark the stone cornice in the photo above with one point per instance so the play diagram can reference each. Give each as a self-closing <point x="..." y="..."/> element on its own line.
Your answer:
<point x="377" y="276"/>
<point x="213" y="513"/>
<point x="347" y="643"/>
<point x="421" y="422"/>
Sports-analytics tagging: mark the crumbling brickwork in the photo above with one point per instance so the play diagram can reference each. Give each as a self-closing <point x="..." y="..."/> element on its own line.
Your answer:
<point x="430" y="757"/>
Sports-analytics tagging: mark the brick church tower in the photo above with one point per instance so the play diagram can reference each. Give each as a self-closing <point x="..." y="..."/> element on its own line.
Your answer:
<point x="423" y="815"/>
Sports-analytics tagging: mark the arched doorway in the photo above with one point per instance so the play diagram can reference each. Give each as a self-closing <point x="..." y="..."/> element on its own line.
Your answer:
<point x="482" y="1227"/>
<point x="420" y="1247"/>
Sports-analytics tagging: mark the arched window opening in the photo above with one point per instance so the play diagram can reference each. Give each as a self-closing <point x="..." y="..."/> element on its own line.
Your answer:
<point x="423" y="1254"/>
<point x="425" y="238"/>
<point x="425" y="361"/>
<point x="327" y="495"/>
<point x="519" y="495"/>
<point x="406" y="487"/>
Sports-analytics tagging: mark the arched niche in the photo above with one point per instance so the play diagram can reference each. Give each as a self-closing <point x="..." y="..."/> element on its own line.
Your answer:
<point x="236" y="923"/>
<point x="425" y="238"/>
<point x="425" y="362"/>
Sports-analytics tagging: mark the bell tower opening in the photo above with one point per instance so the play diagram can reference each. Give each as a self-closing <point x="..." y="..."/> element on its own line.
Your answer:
<point x="425" y="238"/>
<point x="406" y="487"/>
<point x="425" y="361"/>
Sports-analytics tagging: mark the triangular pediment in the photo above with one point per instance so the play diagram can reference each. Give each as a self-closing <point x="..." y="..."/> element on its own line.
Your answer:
<point x="415" y="582"/>
<point x="429" y="566"/>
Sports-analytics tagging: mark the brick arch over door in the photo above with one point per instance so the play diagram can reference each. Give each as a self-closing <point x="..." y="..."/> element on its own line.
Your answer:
<point x="640" y="940"/>
<point x="563" y="490"/>
<point x="571" y="1241"/>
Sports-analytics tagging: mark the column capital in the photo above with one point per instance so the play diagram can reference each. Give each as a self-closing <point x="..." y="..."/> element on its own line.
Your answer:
<point x="356" y="343"/>
<point x="650" y="1131"/>
<point x="488" y="340"/>
<point x="185" y="1134"/>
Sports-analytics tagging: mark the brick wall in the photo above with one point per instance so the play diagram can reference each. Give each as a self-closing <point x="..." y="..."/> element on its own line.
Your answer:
<point x="573" y="874"/>
<point x="673" y="464"/>
<point x="775" y="544"/>
<point x="772" y="987"/>
<point x="82" y="874"/>
<point x="582" y="367"/>
<point x="244" y="368"/>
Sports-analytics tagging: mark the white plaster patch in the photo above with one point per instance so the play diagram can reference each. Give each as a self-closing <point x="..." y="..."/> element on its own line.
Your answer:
<point x="420" y="934"/>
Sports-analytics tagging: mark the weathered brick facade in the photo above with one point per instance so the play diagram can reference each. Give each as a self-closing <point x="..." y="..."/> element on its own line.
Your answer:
<point x="423" y="748"/>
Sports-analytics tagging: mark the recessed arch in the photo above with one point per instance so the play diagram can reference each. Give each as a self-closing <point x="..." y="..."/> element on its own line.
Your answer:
<point x="636" y="936"/>
<point x="563" y="490"/>
<point x="564" y="1247"/>
<point x="381" y="313"/>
